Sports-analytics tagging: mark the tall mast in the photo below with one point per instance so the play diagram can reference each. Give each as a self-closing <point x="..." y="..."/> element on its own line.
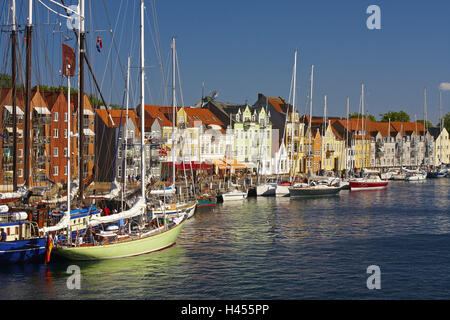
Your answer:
<point x="173" y="110"/>
<point x="425" y="106"/>
<point x="346" y="138"/>
<point x="27" y="131"/>
<point x="362" y="125"/>
<point x="81" y="103"/>
<point x="69" y="119"/>
<point x="323" y="126"/>
<point x="124" y="154"/>
<point x="142" y="104"/>
<point x="13" y="89"/>
<point x="441" y="124"/>
<point x="310" y="113"/>
<point x="292" y="115"/>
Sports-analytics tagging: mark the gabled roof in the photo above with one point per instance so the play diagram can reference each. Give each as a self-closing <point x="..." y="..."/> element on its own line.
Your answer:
<point x="153" y="113"/>
<point x="203" y="115"/>
<point x="435" y="132"/>
<point x="407" y="128"/>
<point x="279" y="104"/>
<point x="118" y="116"/>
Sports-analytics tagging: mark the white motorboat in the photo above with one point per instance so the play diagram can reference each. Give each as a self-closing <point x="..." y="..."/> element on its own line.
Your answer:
<point x="416" y="177"/>
<point x="234" y="195"/>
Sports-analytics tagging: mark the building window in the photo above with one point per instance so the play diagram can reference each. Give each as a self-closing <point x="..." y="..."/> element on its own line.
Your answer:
<point x="66" y="117"/>
<point x="55" y="116"/>
<point x="20" y="173"/>
<point x="55" y="171"/>
<point x="55" y="133"/>
<point x="55" y="152"/>
<point x="20" y="153"/>
<point x="65" y="133"/>
<point x="65" y="170"/>
<point x="65" y="152"/>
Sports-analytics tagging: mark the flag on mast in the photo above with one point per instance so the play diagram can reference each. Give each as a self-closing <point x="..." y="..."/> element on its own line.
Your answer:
<point x="68" y="61"/>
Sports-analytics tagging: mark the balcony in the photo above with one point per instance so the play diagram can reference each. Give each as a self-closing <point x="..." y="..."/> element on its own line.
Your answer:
<point x="41" y="159"/>
<point x="41" y="140"/>
<point x="36" y="121"/>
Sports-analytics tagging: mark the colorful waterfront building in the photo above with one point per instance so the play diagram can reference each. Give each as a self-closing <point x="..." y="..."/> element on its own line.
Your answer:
<point x="253" y="140"/>
<point x="441" y="146"/>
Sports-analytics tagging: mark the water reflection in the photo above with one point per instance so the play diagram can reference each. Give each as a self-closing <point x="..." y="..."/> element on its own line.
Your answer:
<point x="272" y="248"/>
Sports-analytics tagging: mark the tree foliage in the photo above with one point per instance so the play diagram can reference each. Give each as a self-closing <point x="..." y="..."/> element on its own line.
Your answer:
<point x="446" y="121"/>
<point x="427" y="123"/>
<point x="359" y="115"/>
<point x="400" y="116"/>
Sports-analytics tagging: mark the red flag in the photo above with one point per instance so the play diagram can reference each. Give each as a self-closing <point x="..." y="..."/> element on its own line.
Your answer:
<point x="68" y="57"/>
<point x="49" y="248"/>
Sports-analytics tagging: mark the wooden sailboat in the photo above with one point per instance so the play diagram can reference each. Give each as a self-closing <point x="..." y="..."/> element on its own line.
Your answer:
<point x="21" y="240"/>
<point x="174" y="208"/>
<point x="144" y="234"/>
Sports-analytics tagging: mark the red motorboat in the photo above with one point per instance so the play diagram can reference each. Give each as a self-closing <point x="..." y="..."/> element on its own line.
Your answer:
<point x="371" y="182"/>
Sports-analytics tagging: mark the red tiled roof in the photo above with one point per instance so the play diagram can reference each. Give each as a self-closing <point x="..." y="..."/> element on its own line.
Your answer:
<point x="203" y="115"/>
<point x="118" y="117"/>
<point x="278" y="103"/>
<point x="408" y="127"/>
<point x="153" y="112"/>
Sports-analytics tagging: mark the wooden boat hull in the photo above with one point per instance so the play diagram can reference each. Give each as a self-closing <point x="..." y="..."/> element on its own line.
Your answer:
<point x="206" y="202"/>
<point x="367" y="185"/>
<point x="118" y="250"/>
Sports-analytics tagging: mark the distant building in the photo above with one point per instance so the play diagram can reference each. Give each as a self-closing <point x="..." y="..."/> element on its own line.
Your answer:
<point x="441" y="146"/>
<point x="111" y="143"/>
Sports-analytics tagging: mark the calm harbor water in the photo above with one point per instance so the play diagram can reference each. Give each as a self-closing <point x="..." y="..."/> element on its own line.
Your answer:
<point x="278" y="248"/>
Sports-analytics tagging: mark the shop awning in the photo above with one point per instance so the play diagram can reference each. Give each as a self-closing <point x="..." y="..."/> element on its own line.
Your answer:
<point x="229" y="163"/>
<point x="195" y="165"/>
<point x="88" y="132"/>
<point x="19" y="111"/>
<point x="42" y="110"/>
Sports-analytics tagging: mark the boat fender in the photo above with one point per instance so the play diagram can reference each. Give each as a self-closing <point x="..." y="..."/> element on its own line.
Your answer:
<point x="19" y="216"/>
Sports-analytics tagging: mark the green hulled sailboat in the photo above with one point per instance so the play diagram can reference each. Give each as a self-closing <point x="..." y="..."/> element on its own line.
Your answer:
<point x="128" y="233"/>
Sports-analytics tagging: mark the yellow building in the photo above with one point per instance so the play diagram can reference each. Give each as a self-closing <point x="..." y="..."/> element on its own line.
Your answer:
<point x="441" y="145"/>
<point x="333" y="150"/>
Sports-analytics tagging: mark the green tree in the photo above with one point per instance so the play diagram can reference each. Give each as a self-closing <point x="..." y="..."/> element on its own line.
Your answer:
<point x="427" y="123"/>
<point x="5" y="80"/>
<point x="359" y="115"/>
<point x="446" y="122"/>
<point x="400" y="116"/>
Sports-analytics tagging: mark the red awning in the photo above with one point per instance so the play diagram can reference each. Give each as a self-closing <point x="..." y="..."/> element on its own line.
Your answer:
<point x="193" y="164"/>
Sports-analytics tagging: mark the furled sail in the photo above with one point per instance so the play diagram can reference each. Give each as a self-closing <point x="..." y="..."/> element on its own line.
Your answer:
<point x="138" y="208"/>
<point x="168" y="190"/>
<point x="73" y="192"/>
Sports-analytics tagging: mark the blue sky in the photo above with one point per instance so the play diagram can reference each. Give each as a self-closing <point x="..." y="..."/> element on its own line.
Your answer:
<point x="241" y="48"/>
